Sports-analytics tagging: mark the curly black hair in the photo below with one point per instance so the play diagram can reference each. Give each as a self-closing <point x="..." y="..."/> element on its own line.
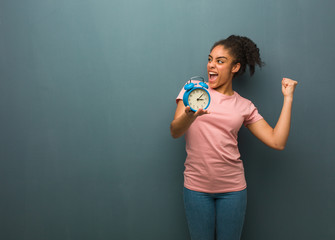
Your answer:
<point x="244" y="51"/>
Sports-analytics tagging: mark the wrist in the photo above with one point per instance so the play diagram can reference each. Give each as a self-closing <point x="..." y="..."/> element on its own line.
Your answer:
<point x="288" y="98"/>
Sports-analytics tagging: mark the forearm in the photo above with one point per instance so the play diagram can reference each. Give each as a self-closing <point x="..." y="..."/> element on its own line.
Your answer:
<point x="282" y="128"/>
<point x="277" y="137"/>
<point x="180" y="125"/>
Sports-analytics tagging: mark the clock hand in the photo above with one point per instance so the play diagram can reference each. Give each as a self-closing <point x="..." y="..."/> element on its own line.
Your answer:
<point x="200" y="97"/>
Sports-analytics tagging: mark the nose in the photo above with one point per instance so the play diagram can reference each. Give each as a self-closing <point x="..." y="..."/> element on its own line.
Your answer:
<point x="211" y="64"/>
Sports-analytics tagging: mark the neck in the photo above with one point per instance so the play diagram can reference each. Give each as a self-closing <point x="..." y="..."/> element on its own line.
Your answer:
<point x="226" y="89"/>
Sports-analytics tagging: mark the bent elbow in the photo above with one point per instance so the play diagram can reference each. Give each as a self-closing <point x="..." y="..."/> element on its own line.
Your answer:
<point x="175" y="136"/>
<point x="278" y="147"/>
<point x="173" y="132"/>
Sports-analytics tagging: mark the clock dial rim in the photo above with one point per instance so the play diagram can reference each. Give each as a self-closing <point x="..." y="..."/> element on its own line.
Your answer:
<point x="202" y="90"/>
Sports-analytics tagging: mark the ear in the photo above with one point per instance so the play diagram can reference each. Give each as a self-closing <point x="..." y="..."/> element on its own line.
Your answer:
<point x="236" y="67"/>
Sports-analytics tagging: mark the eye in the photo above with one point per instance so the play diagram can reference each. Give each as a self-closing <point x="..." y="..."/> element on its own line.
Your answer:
<point x="209" y="59"/>
<point x="219" y="61"/>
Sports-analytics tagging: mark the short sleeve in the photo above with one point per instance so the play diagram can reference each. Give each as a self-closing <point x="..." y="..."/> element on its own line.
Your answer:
<point x="180" y="95"/>
<point x="252" y="116"/>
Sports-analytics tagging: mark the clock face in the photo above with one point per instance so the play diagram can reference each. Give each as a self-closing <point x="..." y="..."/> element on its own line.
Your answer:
<point x="198" y="98"/>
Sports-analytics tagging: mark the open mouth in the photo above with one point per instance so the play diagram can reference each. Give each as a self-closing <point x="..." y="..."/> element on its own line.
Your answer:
<point x="212" y="76"/>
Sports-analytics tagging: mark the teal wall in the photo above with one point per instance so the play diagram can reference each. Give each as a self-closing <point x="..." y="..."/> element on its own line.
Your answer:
<point x="87" y="93"/>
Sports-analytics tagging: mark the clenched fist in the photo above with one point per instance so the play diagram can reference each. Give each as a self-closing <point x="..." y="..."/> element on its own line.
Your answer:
<point x="288" y="86"/>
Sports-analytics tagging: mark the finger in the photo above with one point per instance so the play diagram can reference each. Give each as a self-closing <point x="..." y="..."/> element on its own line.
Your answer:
<point x="188" y="110"/>
<point x="202" y="112"/>
<point x="292" y="84"/>
<point x="284" y="82"/>
<point x="198" y="112"/>
<point x="288" y="80"/>
<point x="206" y="111"/>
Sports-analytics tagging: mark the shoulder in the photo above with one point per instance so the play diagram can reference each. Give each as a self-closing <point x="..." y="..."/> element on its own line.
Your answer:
<point x="245" y="105"/>
<point x="242" y="100"/>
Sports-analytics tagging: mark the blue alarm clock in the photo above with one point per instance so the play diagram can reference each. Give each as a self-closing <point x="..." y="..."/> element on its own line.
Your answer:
<point x="196" y="96"/>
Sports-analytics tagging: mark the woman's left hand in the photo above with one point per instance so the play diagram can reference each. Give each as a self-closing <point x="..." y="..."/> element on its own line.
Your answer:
<point x="288" y="86"/>
<point x="276" y="138"/>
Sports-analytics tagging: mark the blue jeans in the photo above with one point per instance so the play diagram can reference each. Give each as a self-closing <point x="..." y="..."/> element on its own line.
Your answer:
<point x="215" y="214"/>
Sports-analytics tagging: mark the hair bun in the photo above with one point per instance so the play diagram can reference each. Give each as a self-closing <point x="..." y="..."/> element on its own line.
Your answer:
<point x="244" y="50"/>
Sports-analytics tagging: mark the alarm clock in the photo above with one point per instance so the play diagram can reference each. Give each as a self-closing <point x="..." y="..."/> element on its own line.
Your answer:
<point x="196" y="95"/>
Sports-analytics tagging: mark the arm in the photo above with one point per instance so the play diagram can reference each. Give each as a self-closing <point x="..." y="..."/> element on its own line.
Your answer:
<point x="183" y="119"/>
<point x="277" y="137"/>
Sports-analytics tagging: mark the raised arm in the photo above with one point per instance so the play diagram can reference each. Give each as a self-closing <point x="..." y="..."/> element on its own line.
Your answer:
<point x="277" y="137"/>
<point x="183" y="119"/>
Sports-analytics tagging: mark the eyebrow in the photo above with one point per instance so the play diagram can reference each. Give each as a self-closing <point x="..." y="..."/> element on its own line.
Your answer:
<point x="217" y="57"/>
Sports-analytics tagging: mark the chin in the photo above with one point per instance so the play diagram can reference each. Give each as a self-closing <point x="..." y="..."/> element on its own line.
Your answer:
<point x="212" y="85"/>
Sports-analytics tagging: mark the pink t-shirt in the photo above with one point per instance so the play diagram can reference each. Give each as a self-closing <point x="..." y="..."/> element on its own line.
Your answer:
<point x="213" y="163"/>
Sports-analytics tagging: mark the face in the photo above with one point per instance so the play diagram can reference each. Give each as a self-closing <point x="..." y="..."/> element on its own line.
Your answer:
<point x="220" y="69"/>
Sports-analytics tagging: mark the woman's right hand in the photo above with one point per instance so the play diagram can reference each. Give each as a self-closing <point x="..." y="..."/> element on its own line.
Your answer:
<point x="196" y="114"/>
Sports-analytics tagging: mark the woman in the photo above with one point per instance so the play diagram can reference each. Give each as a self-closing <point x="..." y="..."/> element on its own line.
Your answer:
<point x="214" y="182"/>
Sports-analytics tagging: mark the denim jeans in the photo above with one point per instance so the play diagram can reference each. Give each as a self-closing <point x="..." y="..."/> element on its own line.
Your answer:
<point x="215" y="214"/>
